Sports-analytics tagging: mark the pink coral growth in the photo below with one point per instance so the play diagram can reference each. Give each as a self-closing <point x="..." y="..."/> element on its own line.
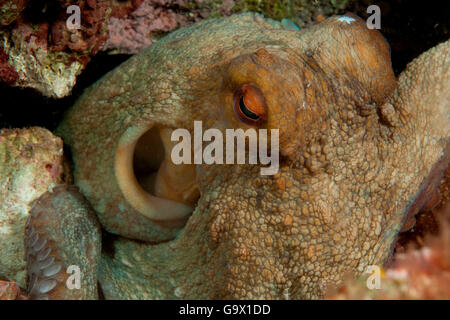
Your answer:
<point x="94" y="18"/>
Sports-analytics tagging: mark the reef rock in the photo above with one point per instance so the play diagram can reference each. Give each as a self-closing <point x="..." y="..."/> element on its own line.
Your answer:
<point x="43" y="53"/>
<point x="46" y="52"/>
<point x="11" y="291"/>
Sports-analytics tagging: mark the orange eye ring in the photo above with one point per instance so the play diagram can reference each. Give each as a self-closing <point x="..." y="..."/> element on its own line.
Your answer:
<point x="249" y="105"/>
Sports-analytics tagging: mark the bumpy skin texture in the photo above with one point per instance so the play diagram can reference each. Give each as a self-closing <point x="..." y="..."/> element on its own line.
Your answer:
<point x="11" y="291"/>
<point x="420" y="274"/>
<point x="31" y="161"/>
<point x="351" y="161"/>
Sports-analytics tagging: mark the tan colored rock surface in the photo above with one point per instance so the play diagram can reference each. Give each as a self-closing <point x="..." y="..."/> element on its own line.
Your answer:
<point x="31" y="162"/>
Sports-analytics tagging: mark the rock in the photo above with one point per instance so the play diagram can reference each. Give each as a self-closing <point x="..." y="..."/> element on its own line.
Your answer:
<point x="63" y="245"/>
<point x="10" y="10"/>
<point x="31" y="162"/>
<point x="11" y="291"/>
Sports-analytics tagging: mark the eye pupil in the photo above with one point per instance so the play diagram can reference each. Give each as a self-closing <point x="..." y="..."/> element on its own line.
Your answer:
<point x="249" y="105"/>
<point x="246" y="111"/>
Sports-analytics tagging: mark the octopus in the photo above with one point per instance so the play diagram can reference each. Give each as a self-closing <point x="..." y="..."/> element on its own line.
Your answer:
<point x="360" y="153"/>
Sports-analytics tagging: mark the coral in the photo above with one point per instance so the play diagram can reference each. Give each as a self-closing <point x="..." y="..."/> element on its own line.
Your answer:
<point x="44" y="54"/>
<point x="10" y="10"/>
<point x="63" y="241"/>
<point x="52" y="73"/>
<point x="95" y="16"/>
<point x="358" y="149"/>
<point x="154" y="18"/>
<point x="31" y="161"/>
<point x="11" y="291"/>
<point x="301" y="12"/>
<point x="132" y="33"/>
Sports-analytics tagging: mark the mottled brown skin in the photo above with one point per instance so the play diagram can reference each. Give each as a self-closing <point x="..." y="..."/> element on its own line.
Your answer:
<point x="352" y="158"/>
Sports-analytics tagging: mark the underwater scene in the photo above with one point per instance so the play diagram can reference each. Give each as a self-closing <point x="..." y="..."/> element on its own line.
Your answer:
<point x="224" y="150"/>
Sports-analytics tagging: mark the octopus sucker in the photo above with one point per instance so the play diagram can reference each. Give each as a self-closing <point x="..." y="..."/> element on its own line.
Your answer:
<point x="360" y="151"/>
<point x="59" y="219"/>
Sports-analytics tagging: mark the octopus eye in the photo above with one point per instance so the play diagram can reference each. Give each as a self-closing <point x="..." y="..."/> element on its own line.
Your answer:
<point x="249" y="104"/>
